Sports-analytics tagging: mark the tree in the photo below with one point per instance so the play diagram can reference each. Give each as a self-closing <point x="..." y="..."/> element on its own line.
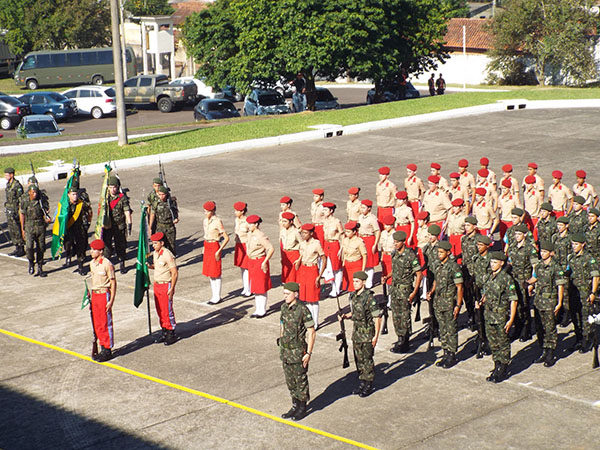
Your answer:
<point x="237" y="42"/>
<point x="149" y="7"/>
<point x="558" y="35"/>
<point x="50" y="24"/>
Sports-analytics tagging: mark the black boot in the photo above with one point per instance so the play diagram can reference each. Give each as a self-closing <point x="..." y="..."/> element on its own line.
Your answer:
<point x="397" y="348"/>
<point x="359" y="388"/>
<point x="40" y="271"/>
<point x="366" y="390"/>
<point x="13" y="253"/>
<point x="525" y="333"/>
<point x="492" y="376"/>
<point x="300" y="411"/>
<point x="442" y="361"/>
<point x="542" y="357"/>
<point x="163" y="334"/>
<point x="586" y="346"/>
<point x="450" y="360"/>
<point x="578" y="344"/>
<point x="292" y="410"/>
<point x="170" y="337"/>
<point x="550" y="358"/>
<point x="502" y="373"/>
<point x="405" y="345"/>
<point x="80" y="269"/>
<point x="566" y="319"/>
<point x="31" y="268"/>
<point x="122" y="267"/>
<point x="105" y="354"/>
<point x="20" y="251"/>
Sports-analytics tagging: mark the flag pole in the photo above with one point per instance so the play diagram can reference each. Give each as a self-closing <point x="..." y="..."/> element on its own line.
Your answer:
<point x="148" y="304"/>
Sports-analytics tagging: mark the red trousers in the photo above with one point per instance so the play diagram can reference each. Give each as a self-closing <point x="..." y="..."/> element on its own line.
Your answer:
<point x="454" y="239"/>
<point x="349" y="269"/>
<point x="307" y="275"/>
<point x="332" y="250"/>
<point x="103" y="323"/>
<point x="240" y="257"/>
<point x="382" y="212"/>
<point x="260" y="282"/>
<point x="288" y="270"/>
<point x="406" y="229"/>
<point x="372" y="256"/>
<point x="504" y="226"/>
<point x="386" y="267"/>
<point x="320" y="234"/>
<point x="164" y="306"/>
<point x="210" y="266"/>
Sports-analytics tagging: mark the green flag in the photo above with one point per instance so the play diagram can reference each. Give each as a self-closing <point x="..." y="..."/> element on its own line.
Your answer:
<point x="60" y="221"/>
<point x="142" y="277"/>
<point x="86" y="296"/>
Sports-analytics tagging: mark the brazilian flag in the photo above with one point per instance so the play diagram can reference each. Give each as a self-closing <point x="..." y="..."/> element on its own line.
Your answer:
<point x="60" y="221"/>
<point x="142" y="276"/>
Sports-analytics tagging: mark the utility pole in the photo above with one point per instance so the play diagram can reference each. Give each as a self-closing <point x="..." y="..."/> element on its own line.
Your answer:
<point x="118" y="71"/>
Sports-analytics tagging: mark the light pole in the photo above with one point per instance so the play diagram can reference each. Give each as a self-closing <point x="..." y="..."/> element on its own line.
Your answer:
<point x="118" y="70"/>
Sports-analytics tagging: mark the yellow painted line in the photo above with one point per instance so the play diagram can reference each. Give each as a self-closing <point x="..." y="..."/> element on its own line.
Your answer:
<point x="190" y="391"/>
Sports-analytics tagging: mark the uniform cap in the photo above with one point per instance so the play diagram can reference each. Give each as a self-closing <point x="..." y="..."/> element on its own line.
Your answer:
<point x="209" y="206"/>
<point x="455" y="175"/>
<point x="483" y="173"/>
<point x="580" y="174"/>
<point x="291" y="286"/>
<point x="472" y="220"/>
<point x="578" y="237"/>
<point x="253" y="219"/>
<point x="463" y="163"/>
<point x="579" y="199"/>
<point x="412" y="167"/>
<point x="434" y="230"/>
<point x="547" y="245"/>
<point x="157" y="181"/>
<point x="547" y="206"/>
<point x="458" y="202"/>
<point x="517" y="212"/>
<point x="308" y="227"/>
<point x="360" y="275"/>
<point x="318" y="191"/>
<point x="557" y="174"/>
<point x="399" y="236"/>
<point x="389" y="220"/>
<point x="436" y="166"/>
<point x="530" y="179"/>
<point x="367" y="202"/>
<point x="445" y="245"/>
<point x="484" y="161"/>
<point x="163" y="189"/>
<point x="401" y="195"/>
<point x="532" y="165"/>
<point x="507" y="183"/>
<point x="563" y="219"/>
<point x="288" y="215"/>
<point x="423" y="215"/>
<point x="481" y="191"/>
<point x="353" y="190"/>
<point x="33" y="187"/>
<point x="157" y="236"/>
<point x="9" y="170"/>
<point x="435" y="179"/>
<point x="113" y="181"/>
<point x="384" y="170"/>
<point x="594" y="211"/>
<point x="521" y="228"/>
<point x="73" y="189"/>
<point x="97" y="244"/>
<point x="330" y="205"/>
<point x="285" y="199"/>
<point x="240" y="206"/>
<point x="498" y="256"/>
<point x="483" y="239"/>
<point x="352" y="225"/>
<point x="507" y="168"/>
<point x="32" y="179"/>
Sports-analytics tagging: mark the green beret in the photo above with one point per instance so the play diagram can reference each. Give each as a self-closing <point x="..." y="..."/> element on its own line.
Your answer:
<point x="445" y="245"/>
<point x="483" y="239"/>
<point x="594" y="211"/>
<point x="9" y="170"/>
<point x="73" y="189"/>
<point x="522" y="228"/>
<point x="434" y="230"/>
<point x="547" y="245"/>
<point x="33" y="187"/>
<point x="113" y="181"/>
<point x="500" y="256"/>
<point x="563" y="219"/>
<point x="32" y="179"/>
<point x="579" y="199"/>
<point x="163" y="189"/>
<point x="360" y="275"/>
<point x="157" y="181"/>
<point x="517" y="211"/>
<point x="399" y="236"/>
<point x="472" y="220"/>
<point x="547" y="206"/>
<point x="578" y="237"/>
<point x="291" y="286"/>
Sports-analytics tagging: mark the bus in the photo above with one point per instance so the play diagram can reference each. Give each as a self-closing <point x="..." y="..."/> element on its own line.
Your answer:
<point x="65" y="67"/>
<point x="7" y="59"/>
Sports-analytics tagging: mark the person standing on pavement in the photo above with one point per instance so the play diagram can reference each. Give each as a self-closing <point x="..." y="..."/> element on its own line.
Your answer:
<point x="456" y="191"/>
<point x="506" y="203"/>
<point x="487" y="219"/>
<point x="333" y="232"/>
<point x="546" y="226"/>
<point x="34" y="219"/>
<point x="469" y="251"/>
<point x="165" y="279"/>
<point x="317" y="213"/>
<point x="507" y="174"/>
<point x="240" y="255"/>
<point x="76" y="238"/>
<point x="585" y="189"/>
<point x="466" y="181"/>
<point x="289" y="244"/>
<point x="260" y="251"/>
<point x="310" y="266"/>
<point x="562" y="250"/>
<point x="385" y="192"/>
<point x="455" y="226"/>
<point x="215" y="240"/>
<point x="538" y="183"/>
<point x="578" y="219"/>
<point x="369" y="232"/>
<point x="152" y="200"/>
<point x="405" y="219"/>
<point x="436" y="170"/>
<point x="559" y="195"/>
<point x="353" y="205"/>
<point x="354" y="254"/>
<point x="166" y="215"/>
<point x="440" y="85"/>
<point x="285" y="204"/>
<point x="414" y="188"/>
<point x="14" y="191"/>
<point x="119" y="222"/>
<point x="437" y="203"/>
<point x="296" y="342"/>
<point x="431" y="85"/>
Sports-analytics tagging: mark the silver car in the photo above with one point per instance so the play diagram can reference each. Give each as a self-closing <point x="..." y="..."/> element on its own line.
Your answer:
<point x="38" y="125"/>
<point x="265" y="101"/>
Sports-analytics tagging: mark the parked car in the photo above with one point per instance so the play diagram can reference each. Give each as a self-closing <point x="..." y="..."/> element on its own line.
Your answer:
<point x="265" y="101"/>
<point x="96" y="101"/>
<point x="149" y="89"/>
<point x="325" y="100"/>
<point x="38" y="125"/>
<point x="52" y="103"/>
<point x="391" y="93"/>
<point x="229" y="93"/>
<point x="12" y="111"/>
<point x="214" y="109"/>
<point x="204" y="91"/>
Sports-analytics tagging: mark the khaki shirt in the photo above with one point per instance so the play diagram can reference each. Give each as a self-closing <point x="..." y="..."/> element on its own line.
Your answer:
<point x="163" y="263"/>
<point x="459" y="192"/>
<point x="290" y="238"/>
<point x="532" y="202"/>
<point x="506" y="203"/>
<point x="559" y="196"/>
<point x="443" y="185"/>
<point x="296" y="220"/>
<point x="455" y="223"/>
<point x="385" y="194"/>
<point x="386" y="241"/>
<point x="258" y="244"/>
<point x="467" y="182"/>
<point x="353" y="210"/>
<point x="514" y="185"/>
<point x="368" y="225"/>
<point x="484" y="213"/>
<point x="332" y="229"/>
<point x="414" y="188"/>
<point x="587" y="191"/>
<point x="310" y="251"/>
<point x="317" y="212"/>
<point x="404" y="215"/>
<point x="241" y="229"/>
<point x="353" y="249"/>
<point x="437" y="204"/>
<point x="491" y="195"/>
<point x="213" y="228"/>
<point x="102" y="272"/>
<point x="538" y="185"/>
<point x="422" y="236"/>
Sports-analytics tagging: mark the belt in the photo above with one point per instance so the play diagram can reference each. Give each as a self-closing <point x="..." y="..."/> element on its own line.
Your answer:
<point x="366" y="235"/>
<point x="290" y="249"/>
<point x="211" y="240"/>
<point x="354" y="260"/>
<point x="309" y="265"/>
<point x="317" y="224"/>
<point x="332" y="240"/>
<point x="158" y="282"/>
<point x="254" y="259"/>
<point x="100" y="291"/>
<point x="387" y="253"/>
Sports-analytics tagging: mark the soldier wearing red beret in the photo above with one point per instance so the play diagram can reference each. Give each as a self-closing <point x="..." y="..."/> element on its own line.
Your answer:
<point x="289" y="243"/>
<point x="240" y="256"/>
<point x="507" y="174"/>
<point x="215" y="240"/>
<point x="385" y="193"/>
<point x="436" y="171"/>
<point x="585" y="189"/>
<point x="457" y="191"/>
<point x="436" y="202"/>
<point x="414" y="188"/>
<point x="559" y="195"/>
<point x="317" y="213"/>
<point x="455" y="225"/>
<point x="532" y="201"/>
<point x="506" y="203"/>
<point x="285" y="203"/>
<point x="538" y="184"/>
<point x="491" y="175"/>
<point x="353" y="204"/>
<point x="260" y="251"/>
<point x="104" y="288"/>
<point x="466" y="180"/>
<point x="405" y="219"/>
<point x="354" y="254"/>
<point x="310" y="266"/>
<point x="334" y="232"/>
<point x="369" y="232"/>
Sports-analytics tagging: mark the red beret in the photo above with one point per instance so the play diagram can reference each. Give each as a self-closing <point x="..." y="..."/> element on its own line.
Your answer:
<point x="367" y="202"/>
<point x="401" y="195"/>
<point x="253" y="219"/>
<point x="308" y="227"/>
<point x="436" y="166"/>
<point x="532" y="165"/>
<point x="209" y="206"/>
<point x="318" y="191"/>
<point x="384" y="170"/>
<point x="530" y="179"/>
<point x="412" y="167"/>
<point x="328" y="205"/>
<point x="285" y="199"/>
<point x="484" y="161"/>
<point x="483" y="173"/>
<point x="463" y="163"/>
<point x="480" y="191"/>
<point x="353" y="190"/>
<point x="97" y="244"/>
<point x="557" y="174"/>
<point x="434" y="179"/>
<point x="458" y="202"/>
<point x="240" y="206"/>
<point x="580" y="174"/>
<point x="507" y="168"/>
<point x="352" y="225"/>
<point x="288" y="215"/>
<point x="388" y="220"/>
<point x="507" y="183"/>
<point x="454" y="175"/>
<point x="157" y="236"/>
<point x="422" y="215"/>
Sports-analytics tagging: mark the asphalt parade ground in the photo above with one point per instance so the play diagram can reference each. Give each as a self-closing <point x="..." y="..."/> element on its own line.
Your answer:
<point x="221" y="385"/>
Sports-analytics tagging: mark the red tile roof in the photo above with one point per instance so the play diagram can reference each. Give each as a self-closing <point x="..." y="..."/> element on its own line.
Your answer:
<point x="477" y="37"/>
<point x="185" y="9"/>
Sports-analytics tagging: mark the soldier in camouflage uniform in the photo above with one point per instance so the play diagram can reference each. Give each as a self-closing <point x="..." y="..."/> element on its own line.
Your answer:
<point x="296" y="342"/>
<point x="153" y="199"/>
<point x="166" y="215"/>
<point x="406" y="279"/>
<point x="76" y="237"/>
<point x="32" y="181"/>
<point x="482" y="271"/>
<point x="468" y="245"/>
<point x="592" y="233"/>
<point x="431" y="260"/>
<point x="562" y="250"/>
<point x="546" y="225"/>
<point x="578" y="220"/>
<point x="550" y="280"/>
<point x="448" y="288"/>
<point x="34" y="219"/>
<point x="584" y="273"/>
<point x="14" y="191"/>
<point x="522" y="255"/>
<point x="366" y="318"/>
<point x="119" y="223"/>
<point x="500" y="300"/>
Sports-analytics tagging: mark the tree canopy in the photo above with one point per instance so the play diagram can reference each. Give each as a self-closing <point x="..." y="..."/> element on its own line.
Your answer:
<point x="558" y="35"/>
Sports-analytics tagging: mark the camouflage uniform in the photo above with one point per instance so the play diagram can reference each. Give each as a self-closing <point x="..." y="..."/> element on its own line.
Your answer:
<point x="546" y="229"/>
<point x="152" y="201"/>
<point x="522" y="260"/>
<point x="562" y="250"/>
<point x="500" y="291"/>
<point x="549" y="277"/>
<point x="14" y="192"/>
<point x="592" y="240"/>
<point x="164" y="217"/>
<point x="469" y="251"/>
<point x="483" y="271"/>
<point x="583" y="267"/>
<point x="76" y="238"/>
<point x="447" y="276"/>
<point x="431" y="262"/>
<point x="295" y="320"/>
<point x="404" y="267"/>
<point x="35" y="228"/>
<point x="117" y="229"/>
<point x="364" y="311"/>
<point x="509" y="237"/>
<point x="578" y="221"/>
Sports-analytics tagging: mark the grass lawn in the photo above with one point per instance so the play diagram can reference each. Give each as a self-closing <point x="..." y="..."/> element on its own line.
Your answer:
<point x="243" y="129"/>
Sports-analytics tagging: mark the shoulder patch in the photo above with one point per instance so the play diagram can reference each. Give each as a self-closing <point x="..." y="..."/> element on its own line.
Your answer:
<point x="458" y="275"/>
<point x="511" y="287"/>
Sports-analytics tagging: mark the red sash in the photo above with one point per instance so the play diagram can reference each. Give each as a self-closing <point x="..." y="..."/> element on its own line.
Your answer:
<point x="114" y="202"/>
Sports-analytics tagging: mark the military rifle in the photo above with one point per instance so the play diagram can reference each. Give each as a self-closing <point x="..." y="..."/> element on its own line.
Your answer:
<point x="342" y="336"/>
<point x="417" y="305"/>
<point x="430" y="321"/>
<point x="384" y="328"/>
<point x="44" y="210"/>
<point x="163" y="178"/>
<point x="594" y="320"/>
<point x="480" y="341"/>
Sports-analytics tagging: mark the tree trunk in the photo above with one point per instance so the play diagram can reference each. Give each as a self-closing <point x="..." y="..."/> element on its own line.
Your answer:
<point x="540" y="72"/>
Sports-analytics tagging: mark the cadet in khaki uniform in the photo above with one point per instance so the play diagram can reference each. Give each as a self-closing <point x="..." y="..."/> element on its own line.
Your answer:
<point x="353" y="204"/>
<point x="532" y="201"/>
<point x="507" y="170"/>
<point x="406" y="278"/>
<point x="466" y="180"/>
<point x="487" y="219"/>
<point x="549" y="280"/>
<point x="538" y="184"/>
<point x="414" y="188"/>
<point x="562" y="250"/>
<point x="405" y="220"/>
<point x="578" y="220"/>
<point x="317" y="213"/>
<point x="215" y="240"/>
<point x="559" y="195"/>
<point x="119" y="227"/>
<point x="310" y="266"/>
<point x="260" y="251"/>
<point x="366" y="318"/>
<point x="490" y="188"/>
<point x="296" y="342"/>
<point x="166" y="216"/>
<point x="14" y="191"/>
<point x="436" y="171"/>
<point x="333" y="232"/>
<point x="385" y="194"/>
<point x="506" y="203"/>
<point x="240" y="255"/>
<point x="546" y="226"/>
<point x="386" y="247"/>
<point x="491" y="176"/>
<point x="34" y="219"/>
<point x="585" y="189"/>
<point x="289" y="240"/>
<point x="457" y="191"/>
<point x="354" y="254"/>
<point x="285" y="204"/>
<point x="165" y="279"/>
<point x="422" y="226"/>
<point x="369" y="232"/>
<point x="500" y="300"/>
<point x="436" y="202"/>
<point x="455" y="225"/>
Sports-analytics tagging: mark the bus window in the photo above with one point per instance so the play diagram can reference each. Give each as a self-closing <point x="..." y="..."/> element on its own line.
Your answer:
<point x="43" y="61"/>
<point x="29" y="63"/>
<point x="88" y="58"/>
<point x="74" y="59"/>
<point x="57" y="60"/>
<point x="105" y="57"/>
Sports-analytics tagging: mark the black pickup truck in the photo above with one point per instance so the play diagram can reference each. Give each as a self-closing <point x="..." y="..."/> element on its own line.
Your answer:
<point x="145" y="89"/>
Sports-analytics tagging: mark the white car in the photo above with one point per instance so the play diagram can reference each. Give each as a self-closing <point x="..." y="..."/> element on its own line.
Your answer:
<point x="95" y="100"/>
<point x="204" y="91"/>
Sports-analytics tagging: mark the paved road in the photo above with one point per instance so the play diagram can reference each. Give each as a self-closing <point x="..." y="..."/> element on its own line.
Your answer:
<point x="55" y="400"/>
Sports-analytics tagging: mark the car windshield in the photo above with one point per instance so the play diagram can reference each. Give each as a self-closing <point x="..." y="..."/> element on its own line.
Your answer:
<point x="110" y="92"/>
<point x="324" y="95"/>
<point x="57" y="97"/>
<point x="270" y="100"/>
<point x="41" y="126"/>
<point x="10" y="100"/>
<point x="220" y="106"/>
